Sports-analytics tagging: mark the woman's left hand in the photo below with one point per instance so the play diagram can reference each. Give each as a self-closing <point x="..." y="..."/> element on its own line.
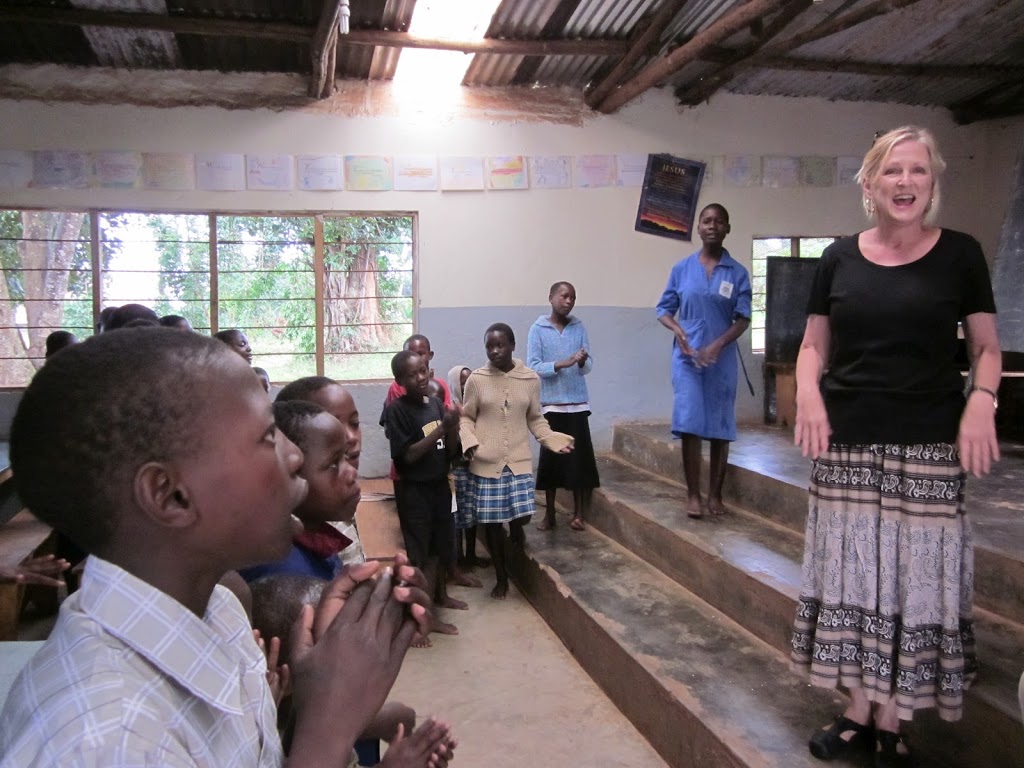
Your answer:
<point x="977" y="442"/>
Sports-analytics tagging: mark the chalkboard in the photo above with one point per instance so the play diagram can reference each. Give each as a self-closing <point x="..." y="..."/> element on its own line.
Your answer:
<point x="1009" y="266"/>
<point x="787" y="290"/>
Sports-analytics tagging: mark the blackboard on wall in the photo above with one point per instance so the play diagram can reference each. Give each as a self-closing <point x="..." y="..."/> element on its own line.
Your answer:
<point x="788" y="289"/>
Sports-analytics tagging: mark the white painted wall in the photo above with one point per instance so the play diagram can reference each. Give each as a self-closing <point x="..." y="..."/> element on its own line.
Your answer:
<point x="532" y="238"/>
<point x="481" y="250"/>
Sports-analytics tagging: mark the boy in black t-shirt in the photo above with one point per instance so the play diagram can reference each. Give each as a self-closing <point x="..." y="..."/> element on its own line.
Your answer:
<point x="424" y="438"/>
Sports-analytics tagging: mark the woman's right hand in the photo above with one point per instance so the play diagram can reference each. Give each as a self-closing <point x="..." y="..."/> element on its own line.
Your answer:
<point x="812" y="428"/>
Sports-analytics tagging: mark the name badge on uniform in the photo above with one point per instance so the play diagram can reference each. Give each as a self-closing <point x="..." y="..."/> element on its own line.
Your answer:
<point x="725" y="289"/>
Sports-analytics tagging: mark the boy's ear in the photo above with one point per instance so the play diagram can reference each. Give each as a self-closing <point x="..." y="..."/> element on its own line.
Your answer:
<point x="160" y="494"/>
<point x="431" y="355"/>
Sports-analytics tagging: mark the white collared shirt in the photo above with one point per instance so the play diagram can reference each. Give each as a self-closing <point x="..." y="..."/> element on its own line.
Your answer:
<point x="130" y="677"/>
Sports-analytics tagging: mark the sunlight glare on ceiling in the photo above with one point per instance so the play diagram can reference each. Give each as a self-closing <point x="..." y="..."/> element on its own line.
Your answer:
<point x="437" y="75"/>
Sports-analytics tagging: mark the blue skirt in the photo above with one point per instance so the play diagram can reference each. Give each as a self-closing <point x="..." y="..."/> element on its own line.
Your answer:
<point x="503" y="499"/>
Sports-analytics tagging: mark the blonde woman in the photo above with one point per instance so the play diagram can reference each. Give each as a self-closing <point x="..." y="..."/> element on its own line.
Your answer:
<point x="885" y="605"/>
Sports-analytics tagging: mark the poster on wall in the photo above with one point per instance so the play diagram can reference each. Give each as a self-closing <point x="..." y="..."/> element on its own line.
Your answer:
<point x="630" y="170"/>
<point x="168" y="171"/>
<point x="669" y="195"/>
<point x="594" y="171"/>
<point x="118" y="170"/>
<point x="462" y="174"/>
<point x="818" y="171"/>
<point x="270" y="173"/>
<point x="846" y="170"/>
<point x="416" y="173"/>
<point x="507" y="172"/>
<point x="15" y="169"/>
<point x="220" y="172"/>
<point x="367" y="173"/>
<point x="551" y="172"/>
<point x="61" y="170"/>
<point x="780" y="171"/>
<point x="320" y="173"/>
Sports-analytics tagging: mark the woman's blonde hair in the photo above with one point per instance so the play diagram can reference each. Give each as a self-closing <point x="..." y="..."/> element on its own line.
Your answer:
<point x="879" y="153"/>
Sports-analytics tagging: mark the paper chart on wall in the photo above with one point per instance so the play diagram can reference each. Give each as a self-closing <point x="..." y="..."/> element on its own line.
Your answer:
<point x="270" y="173"/>
<point x="846" y="170"/>
<point x="743" y="170"/>
<point x="15" y="169"/>
<point x="61" y="170"/>
<point x="461" y="174"/>
<point x="367" y="173"/>
<point x="320" y="173"/>
<point x="507" y="172"/>
<point x="416" y="173"/>
<point x="220" y="172"/>
<point x="780" y="171"/>
<point x="818" y="171"/>
<point x="118" y="170"/>
<point x="630" y="170"/>
<point x="168" y="171"/>
<point x="595" y="171"/>
<point x="551" y="172"/>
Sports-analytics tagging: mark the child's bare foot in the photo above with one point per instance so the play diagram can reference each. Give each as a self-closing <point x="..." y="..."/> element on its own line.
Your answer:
<point x="577" y="524"/>
<point x="716" y="507"/>
<point x="444" y="628"/>
<point x="450" y="602"/>
<point x="462" y="579"/>
<point x="693" y="508"/>
<point x="429" y="746"/>
<point x="500" y="591"/>
<point x="546" y="524"/>
<point x="421" y="641"/>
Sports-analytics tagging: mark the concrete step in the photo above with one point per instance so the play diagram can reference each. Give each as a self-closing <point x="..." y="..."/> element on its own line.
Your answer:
<point x="702" y="690"/>
<point x="768" y="476"/>
<point x="749" y="569"/>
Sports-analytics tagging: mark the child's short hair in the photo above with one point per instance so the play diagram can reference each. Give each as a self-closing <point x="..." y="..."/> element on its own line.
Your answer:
<point x="276" y="602"/>
<point x="399" y="361"/>
<point x="176" y="321"/>
<point x="291" y="417"/>
<point x="416" y="337"/>
<point x="126" y="313"/>
<point x="99" y="410"/>
<point x="59" y="340"/>
<point x="227" y="335"/>
<point x="501" y="328"/>
<point x="304" y="388"/>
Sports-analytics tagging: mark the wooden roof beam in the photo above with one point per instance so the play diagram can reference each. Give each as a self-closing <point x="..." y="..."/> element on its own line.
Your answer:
<point x="323" y="51"/>
<point x="881" y="69"/>
<point x="702" y="90"/>
<point x="665" y="66"/>
<point x="299" y="33"/>
<point x="638" y="49"/>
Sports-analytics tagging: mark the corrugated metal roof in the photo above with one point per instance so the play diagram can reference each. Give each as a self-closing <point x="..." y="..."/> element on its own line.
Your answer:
<point x="950" y="33"/>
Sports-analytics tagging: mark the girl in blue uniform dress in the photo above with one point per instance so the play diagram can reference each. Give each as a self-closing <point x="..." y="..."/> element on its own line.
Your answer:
<point x="706" y="305"/>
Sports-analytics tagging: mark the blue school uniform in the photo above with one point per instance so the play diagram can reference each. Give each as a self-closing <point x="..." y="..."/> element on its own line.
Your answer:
<point x="705" y="398"/>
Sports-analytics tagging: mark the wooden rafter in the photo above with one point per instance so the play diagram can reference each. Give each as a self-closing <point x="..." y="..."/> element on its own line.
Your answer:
<point x="703" y="90"/>
<point x="322" y="50"/>
<point x="637" y="50"/>
<point x="299" y="33"/>
<point x="1004" y="99"/>
<point x="664" y="66"/>
<point x="882" y="69"/>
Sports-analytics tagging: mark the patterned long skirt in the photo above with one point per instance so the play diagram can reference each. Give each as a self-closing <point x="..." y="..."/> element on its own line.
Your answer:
<point x="888" y="577"/>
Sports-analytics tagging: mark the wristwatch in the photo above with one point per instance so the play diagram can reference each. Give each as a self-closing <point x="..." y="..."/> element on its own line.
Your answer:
<point x="987" y="391"/>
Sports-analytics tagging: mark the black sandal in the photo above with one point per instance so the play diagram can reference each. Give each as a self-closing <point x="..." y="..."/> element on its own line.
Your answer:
<point x="829" y="743"/>
<point x="887" y="754"/>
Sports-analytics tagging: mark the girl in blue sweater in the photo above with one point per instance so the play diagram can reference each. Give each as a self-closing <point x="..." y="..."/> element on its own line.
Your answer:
<point x="558" y="349"/>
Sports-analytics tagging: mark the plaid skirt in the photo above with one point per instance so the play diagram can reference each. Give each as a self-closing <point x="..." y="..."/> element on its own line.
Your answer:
<point x="888" y="577"/>
<point x="465" y="498"/>
<point x="505" y="498"/>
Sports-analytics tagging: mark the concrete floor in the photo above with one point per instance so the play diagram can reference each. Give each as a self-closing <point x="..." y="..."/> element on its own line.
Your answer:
<point x="511" y="691"/>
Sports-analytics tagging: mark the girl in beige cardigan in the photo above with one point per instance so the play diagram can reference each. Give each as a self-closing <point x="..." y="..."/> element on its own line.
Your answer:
<point x="502" y="406"/>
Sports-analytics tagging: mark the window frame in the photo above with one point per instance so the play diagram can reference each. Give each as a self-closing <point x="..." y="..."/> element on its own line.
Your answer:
<point x="319" y="249"/>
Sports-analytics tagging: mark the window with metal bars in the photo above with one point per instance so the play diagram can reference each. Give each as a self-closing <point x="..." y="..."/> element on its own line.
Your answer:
<point x="315" y="293"/>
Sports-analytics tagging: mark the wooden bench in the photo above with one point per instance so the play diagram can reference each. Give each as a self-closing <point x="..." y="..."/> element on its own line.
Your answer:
<point x="21" y="537"/>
